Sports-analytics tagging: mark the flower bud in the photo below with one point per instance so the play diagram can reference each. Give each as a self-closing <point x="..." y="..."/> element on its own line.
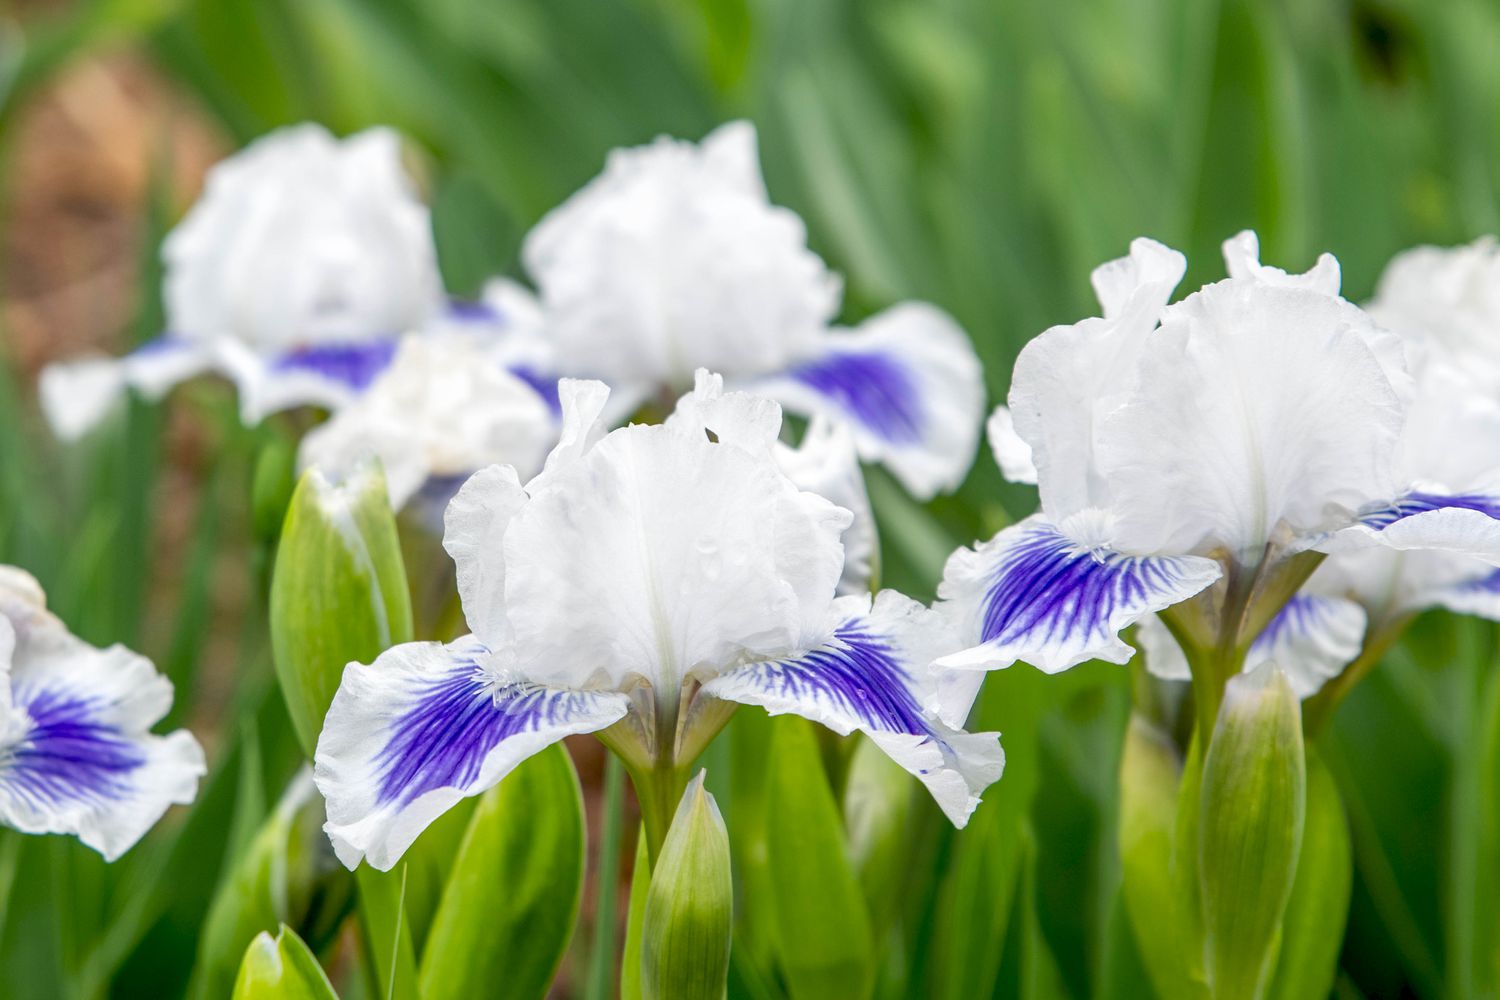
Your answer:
<point x="690" y="907"/>
<point x="339" y="590"/>
<point x="1253" y="804"/>
<point x="281" y="968"/>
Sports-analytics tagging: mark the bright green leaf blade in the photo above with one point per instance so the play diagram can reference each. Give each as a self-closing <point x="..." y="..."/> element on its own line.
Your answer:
<point x="823" y="929"/>
<point x="509" y="907"/>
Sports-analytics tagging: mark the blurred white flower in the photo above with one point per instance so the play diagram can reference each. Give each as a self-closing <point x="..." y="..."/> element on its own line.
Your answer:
<point x="674" y="259"/>
<point x="446" y="407"/>
<point x="294" y="274"/>
<point x="76" y="751"/>
<point x="646" y="581"/>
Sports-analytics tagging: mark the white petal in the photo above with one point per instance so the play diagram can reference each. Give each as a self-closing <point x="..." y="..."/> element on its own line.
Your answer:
<point x="825" y="463"/>
<point x="908" y="384"/>
<point x="1012" y="454"/>
<point x="583" y="425"/>
<point x="660" y="552"/>
<point x="1312" y="639"/>
<point x="1070" y="377"/>
<point x="672" y="260"/>
<point x="735" y="418"/>
<point x="871" y="670"/>
<point x="1164" y="657"/>
<point x="76" y="752"/>
<point x="474" y="536"/>
<point x="1242" y="259"/>
<point x="1032" y="593"/>
<point x="426" y="725"/>
<point x="1261" y="415"/>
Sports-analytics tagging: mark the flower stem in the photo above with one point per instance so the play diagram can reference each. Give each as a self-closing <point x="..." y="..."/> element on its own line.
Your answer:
<point x="658" y="790"/>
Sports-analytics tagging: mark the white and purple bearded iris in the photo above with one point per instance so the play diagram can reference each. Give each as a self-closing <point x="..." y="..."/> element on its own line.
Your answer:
<point x="646" y="582"/>
<point x="1197" y="459"/>
<point x="294" y="275"/>
<point x="674" y="259"/>
<point x="76" y="752"/>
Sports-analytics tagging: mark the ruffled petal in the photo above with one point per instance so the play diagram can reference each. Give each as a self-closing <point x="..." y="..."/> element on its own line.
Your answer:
<point x="826" y="463"/>
<point x="474" y="536"/>
<point x="1461" y="523"/>
<point x="76" y="752"/>
<point x="908" y="383"/>
<point x="1242" y="260"/>
<point x="1012" y="454"/>
<point x="872" y="671"/>
<point x="1032" y="593"/>
<point x="582" y="402"/>
<point x="426" y="725"/>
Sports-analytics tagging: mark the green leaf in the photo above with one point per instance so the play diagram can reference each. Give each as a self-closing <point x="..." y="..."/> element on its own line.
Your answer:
<point x="1252" y="809"/>
<point x="601" y="977"/>
<point x="879" y="800"/>
<point x="1313" y="929"/>
<point x="339" y="593"/>
<point x="281" y="968"/>
<point x="509" y="907"/>
<point x="823" y="929"/>
<point x="690" y="906"/>
<point x="635" y="922"/>
<point x="388" y="937"/>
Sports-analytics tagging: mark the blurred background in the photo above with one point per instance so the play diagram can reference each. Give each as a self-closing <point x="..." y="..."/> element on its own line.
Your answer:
<point x="980" y="154"/>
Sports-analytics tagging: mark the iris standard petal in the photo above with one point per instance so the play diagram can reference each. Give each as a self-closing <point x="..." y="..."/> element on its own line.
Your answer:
<point x="426" y="725"/>
<point x="1032" y="593"/>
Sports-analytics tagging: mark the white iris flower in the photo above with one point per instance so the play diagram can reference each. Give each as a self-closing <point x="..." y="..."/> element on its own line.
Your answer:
<point x="646" y="582"/>
<point x="1197" y="459"/>
<point x="674" y="259"/>
<point x="295" y="273"/>
<point x="76" y="752"/>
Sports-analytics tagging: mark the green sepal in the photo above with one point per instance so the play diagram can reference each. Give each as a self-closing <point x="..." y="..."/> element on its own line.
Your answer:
<point x="690" y="906"/>
<point x="1252" y="810"/>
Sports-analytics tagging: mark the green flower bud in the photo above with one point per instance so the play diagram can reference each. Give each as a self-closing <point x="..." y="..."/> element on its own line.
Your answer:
<point x="339" y="591"/>
<point x="281" y="968"/>
<point x="1253" y="803"/>
<point x="690" y="906"/>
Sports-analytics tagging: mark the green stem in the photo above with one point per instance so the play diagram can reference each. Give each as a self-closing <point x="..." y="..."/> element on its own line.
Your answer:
<point x="1319" y="709"/>
<point x="658" y="790"/>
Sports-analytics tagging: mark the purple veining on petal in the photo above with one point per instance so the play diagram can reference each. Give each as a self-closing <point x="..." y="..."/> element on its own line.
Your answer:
<point x="873" y="388"/>
<point x="1303" y="614"/>
<point x="467" y="311"/>
<point x="67" y="755"/>
<point x="1489" y="583"/>
<point x="355" y="364"/>
<point x="543" y="384"/>
<point x="457" y="719"/>
<point x="1420" y="503"/>
<point x="857" y="670"/>
<point x="1049" y="588"/>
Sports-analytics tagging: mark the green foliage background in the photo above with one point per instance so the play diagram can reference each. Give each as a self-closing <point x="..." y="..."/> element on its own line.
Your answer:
<point x="982" y="154"/>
